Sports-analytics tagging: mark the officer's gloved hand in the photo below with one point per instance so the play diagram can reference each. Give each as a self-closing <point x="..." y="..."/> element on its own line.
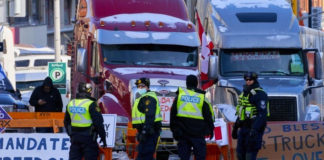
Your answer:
<point x="253" y="133"/>
<point x="234" y="133"/>
<point x="103" y="140"/>
<point x="235" y="129"/>
<point x="141" y="137"/>
<point x="211" y="135"/>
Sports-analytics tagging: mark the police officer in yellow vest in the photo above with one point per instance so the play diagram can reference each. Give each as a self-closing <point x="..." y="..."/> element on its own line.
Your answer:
<point x="191" y="120"/>
<point x="83" y="122"/>
<point x="146" y="118"/>
<point x="252" y="111"/>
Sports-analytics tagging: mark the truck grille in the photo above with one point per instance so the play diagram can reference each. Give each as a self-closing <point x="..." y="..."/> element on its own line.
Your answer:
<point x="283" y="109"/>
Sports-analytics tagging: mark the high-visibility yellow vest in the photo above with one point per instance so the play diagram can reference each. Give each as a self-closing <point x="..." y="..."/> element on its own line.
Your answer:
<point x="245" y="110"/>
<point x="139" y="117"/>
<point x="189" y="104"/>
<point x="78" y="110"/>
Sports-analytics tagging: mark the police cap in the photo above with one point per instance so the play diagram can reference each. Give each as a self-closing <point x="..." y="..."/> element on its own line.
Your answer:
<point x="144" y="81"/>
<point x="251" y="75"/>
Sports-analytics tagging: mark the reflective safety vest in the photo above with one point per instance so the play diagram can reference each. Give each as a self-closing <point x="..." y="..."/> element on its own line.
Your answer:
<point x="139" y="117"/>
<point x="79" y="112"/>
<point x="189" y="104"/>
<point x="245" y="110"/>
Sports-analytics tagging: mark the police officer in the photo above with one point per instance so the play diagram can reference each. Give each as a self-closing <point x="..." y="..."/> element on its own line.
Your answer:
<point x="252" y="111"/>
<point x="83" y="122"/>
<point x="146" y="118"/>
<point x="191" y="120"/>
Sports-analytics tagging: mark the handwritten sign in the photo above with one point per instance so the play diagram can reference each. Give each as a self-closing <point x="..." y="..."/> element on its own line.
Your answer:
<point x="292" y="141"/>
<point x="165" y="104"/>
<point x="34" y="146"/>
<point x="110" y="128"/>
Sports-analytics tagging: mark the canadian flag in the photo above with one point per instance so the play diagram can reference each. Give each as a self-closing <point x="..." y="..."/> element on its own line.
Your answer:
<point x="206" y="47"/>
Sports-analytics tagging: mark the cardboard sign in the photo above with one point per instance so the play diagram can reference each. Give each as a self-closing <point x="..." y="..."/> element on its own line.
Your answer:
<point x="291" y="141"/>
<point x="110" y="128"/>
<point x="35" y="146"/>
<point x="165" y="104"/>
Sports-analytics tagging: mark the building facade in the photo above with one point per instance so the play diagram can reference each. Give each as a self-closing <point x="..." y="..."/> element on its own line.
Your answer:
<point x="37" y="26"/>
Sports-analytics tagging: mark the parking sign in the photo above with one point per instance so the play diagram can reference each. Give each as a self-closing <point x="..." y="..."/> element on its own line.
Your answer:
<point x="57" y="72"/>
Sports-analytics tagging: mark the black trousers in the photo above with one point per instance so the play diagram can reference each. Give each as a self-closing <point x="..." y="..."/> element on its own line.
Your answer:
<point x="83" y="146"/>
<point x="247" y="146"/>
<point x="146" y="148"/>
<point x="185" y="144"/>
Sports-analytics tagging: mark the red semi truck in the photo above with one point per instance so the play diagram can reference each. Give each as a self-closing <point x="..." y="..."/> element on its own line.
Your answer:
<point x="117" y="42"/>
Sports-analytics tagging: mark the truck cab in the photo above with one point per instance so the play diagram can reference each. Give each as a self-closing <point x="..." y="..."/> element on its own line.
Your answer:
<point x="263" y="37"/>
<point x="115" y="44"/>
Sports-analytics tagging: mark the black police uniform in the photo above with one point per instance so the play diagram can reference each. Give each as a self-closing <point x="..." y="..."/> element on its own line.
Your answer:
<point x="191" y="132"/>
<point x="251" y="130"/>
<point x="84" y="139"/>
<point x="149" y="132"/>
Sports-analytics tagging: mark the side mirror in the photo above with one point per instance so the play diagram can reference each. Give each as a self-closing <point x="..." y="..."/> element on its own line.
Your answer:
<point x="212" y="68"/>
<point x="314" y="63"/>
<point x="82" y="60"/>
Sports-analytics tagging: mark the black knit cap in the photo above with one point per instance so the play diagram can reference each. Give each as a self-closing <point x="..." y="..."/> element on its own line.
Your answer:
<point x="251" y="75"/>
<point x="192" y="81"/>
<point x="144" y="81"/>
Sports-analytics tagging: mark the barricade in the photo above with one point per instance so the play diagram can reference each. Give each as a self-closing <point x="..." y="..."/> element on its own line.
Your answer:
<point x="131" y="141"/>
<point x="35" y="119"/>
<point x="105" y="153"/>
<point x="215" y="152"/>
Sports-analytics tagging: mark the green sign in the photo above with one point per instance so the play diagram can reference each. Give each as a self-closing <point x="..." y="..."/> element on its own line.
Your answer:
<point x="57" y="72"/>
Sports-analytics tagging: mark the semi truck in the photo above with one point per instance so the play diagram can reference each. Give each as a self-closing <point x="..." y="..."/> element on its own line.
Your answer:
<point x="263" y="37"/>
<point x="117" y="42"/>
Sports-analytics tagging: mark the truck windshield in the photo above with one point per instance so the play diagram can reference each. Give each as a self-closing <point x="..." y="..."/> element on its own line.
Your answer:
<point x="150" y="54"/>
<point x="28" y="85"/>
<point x="263" y="62"/>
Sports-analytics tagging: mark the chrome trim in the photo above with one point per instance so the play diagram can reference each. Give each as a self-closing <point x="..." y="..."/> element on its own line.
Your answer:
<point x="148" y="37"/>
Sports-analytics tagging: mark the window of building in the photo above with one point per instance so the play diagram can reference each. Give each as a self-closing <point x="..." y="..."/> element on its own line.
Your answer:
<point x="33" y="14"/>
<point x="67" y="12"/>
<point x="42" y="62"/>
<point x="22" y="63"/>
<point x="50" y="13"/>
